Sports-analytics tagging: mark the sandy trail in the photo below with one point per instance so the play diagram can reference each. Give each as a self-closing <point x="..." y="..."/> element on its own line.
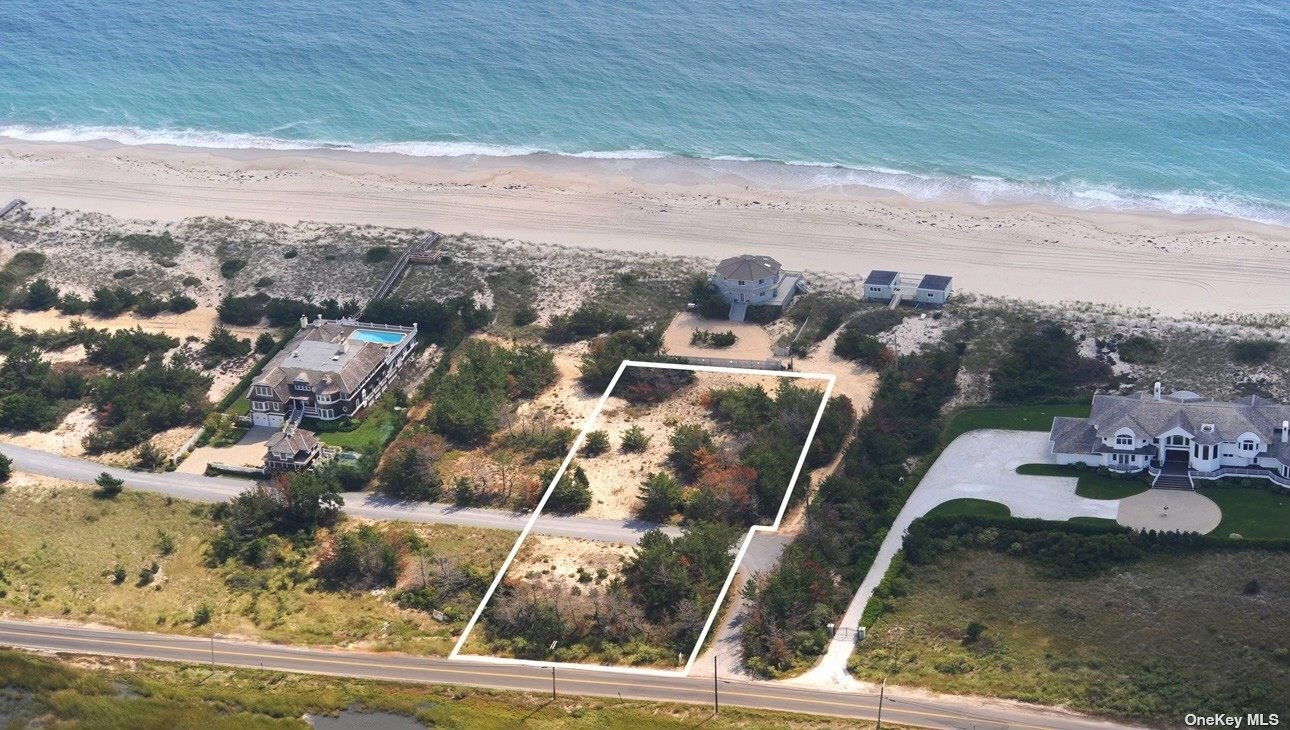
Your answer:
<point x="1176" y="264"/>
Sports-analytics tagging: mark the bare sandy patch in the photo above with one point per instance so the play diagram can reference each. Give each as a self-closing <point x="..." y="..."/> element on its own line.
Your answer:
<point x="753" y="342"/>
<point x="554" y="561"/>
<point x="64" y="440"/>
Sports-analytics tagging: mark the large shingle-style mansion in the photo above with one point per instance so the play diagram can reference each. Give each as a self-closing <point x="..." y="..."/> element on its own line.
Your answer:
<point x="331" y="369"/>
<point x="747" y="281"/>
<point x="1179" y="437"/>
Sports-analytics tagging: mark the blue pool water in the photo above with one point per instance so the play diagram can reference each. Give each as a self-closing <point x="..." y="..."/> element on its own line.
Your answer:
<point x="379" y="337"/>
<point x="1181" y="106"/>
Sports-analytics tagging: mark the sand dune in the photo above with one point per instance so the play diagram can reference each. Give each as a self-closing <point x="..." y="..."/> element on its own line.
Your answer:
<point x="1175" y="264"/>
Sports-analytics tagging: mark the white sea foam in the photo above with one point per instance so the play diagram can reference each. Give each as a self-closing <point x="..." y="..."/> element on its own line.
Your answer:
<point x="793" y="173"/>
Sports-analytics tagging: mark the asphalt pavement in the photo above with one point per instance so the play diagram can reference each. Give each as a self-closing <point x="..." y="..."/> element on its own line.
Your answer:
<point x="199" y="488"/>
<point x="899" y="707"/>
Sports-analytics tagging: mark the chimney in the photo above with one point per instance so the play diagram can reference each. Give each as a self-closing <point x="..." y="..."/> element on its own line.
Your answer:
<point x="1158" y="390"/>
<point x="304" y="321"/>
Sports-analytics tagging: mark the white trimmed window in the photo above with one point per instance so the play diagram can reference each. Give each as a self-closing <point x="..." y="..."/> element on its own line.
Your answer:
<point x="258" y="405"/>
<point x="1123" y="440"/>
<point x="1249" y="445"/>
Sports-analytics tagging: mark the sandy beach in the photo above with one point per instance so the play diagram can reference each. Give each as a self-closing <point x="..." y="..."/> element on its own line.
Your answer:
<point x="1174" y="264"/>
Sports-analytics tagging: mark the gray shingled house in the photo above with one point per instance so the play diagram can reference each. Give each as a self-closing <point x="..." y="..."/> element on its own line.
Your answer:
<point x="291" y="449"/>
<point x="749" y="280"/>
<point x="1179" y="437"/>
<point x="331" y="369"/>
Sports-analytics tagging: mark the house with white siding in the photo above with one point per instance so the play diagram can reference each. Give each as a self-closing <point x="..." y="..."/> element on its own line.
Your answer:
<point x="896" y="287"/>
<point x="1179" y="438"/>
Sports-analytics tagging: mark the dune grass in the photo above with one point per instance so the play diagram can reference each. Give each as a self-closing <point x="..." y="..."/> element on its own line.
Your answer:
<point x="1151" y="639"/>
<point x="59" y="549"/>
<point x="138" y="694"/>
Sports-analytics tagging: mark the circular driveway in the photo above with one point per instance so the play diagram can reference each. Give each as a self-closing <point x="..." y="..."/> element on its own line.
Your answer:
<point x="1169" y="510"/>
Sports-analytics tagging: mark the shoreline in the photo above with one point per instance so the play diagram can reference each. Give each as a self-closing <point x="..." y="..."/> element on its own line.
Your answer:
<point x="1174" y="263"/>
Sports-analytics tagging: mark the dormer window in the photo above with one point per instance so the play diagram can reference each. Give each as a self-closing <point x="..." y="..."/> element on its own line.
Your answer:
<point x="1123" y="440"/>
<point x="1207" y="428"/>
<point x="1249" y="445"/>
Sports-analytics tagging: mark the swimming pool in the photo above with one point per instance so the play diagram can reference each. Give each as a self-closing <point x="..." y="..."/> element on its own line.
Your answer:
<point x="379" y="337"/>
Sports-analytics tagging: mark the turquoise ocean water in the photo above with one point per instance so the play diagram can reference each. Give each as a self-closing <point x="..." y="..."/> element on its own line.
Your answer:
<point x="1180" y="106"/>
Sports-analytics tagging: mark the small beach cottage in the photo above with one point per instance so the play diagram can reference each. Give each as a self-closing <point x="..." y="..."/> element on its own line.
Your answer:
<point x="747" y="280"/>
<point x="330" y="370"/>
<point x="1179" y="437"/>
<point x="892" y="286"/>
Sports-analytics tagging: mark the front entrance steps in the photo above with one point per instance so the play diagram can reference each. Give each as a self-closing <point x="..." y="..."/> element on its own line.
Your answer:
<point x="1174" y="476"/>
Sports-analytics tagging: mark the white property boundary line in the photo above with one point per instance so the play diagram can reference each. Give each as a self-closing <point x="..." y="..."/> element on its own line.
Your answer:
<point x="734" y="568"/>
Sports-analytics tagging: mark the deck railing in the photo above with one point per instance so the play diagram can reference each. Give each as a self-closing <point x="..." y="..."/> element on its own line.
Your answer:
<point x="1239" y="471"/>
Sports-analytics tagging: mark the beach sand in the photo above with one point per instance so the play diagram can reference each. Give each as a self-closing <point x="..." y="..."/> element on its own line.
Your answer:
<point x="1174" y="264"/>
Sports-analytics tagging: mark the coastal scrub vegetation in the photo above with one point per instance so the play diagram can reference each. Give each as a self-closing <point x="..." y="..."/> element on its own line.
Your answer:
<point x="61" y="691"/>
<point x="1043" y="365"/>
<point x="69" y="555"/>
<point x="472" y="401"/>
<point x="790" y="605"/>
<point x="647" y="615"/>
<point x="132" y="406"/>
<point x="1087" y="642"/>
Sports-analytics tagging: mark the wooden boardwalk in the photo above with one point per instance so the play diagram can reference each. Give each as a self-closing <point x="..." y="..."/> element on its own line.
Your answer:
<point x="418" y="253"/>
<point x="13" y="205"/>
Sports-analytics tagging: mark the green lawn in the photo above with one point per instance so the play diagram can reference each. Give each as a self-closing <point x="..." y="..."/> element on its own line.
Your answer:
<point x="1092" y="484"/>
<point x="1015" y="418"/>
<point x="1251" y="511"/>
<point x="970" y="508"/>
<point x="240" y="407"/>
<point x="375" y="429"/>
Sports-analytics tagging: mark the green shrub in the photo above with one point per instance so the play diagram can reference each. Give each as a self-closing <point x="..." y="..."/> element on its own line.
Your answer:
<point x="229" y="268"/>
<point x="1140" y="350"/>
<point x="123" y="274"/>
<point x="1254" y="352"/>
<point x="635" y="440"/>
<point x="377" y="254"/>
<point x="596" y="443"/>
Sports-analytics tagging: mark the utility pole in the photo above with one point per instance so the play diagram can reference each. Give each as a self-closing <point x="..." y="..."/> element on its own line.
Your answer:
<point x="553" y="683"/>
<point x="882" y="690"/>
<point x="716" y="701"/>
<point x="212" y="652"/>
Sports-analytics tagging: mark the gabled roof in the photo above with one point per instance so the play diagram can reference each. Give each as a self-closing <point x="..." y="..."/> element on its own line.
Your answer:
<point x="935" y="282"/>
<point x="1072" y="435"/>
<point x="746" y="268"/>
<point x="880" y="277"/>
<point x="295" y="441"/>
<point x="327" y="356"/>
<point x="1150" y="417"/>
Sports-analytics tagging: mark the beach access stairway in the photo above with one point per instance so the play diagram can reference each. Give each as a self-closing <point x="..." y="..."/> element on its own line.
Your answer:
<point x="418" y="253"/>
<point x="11" y="206"/>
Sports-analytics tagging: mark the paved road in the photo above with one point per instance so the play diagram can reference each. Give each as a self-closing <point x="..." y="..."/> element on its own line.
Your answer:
<point x="897" y="709"/>
<point x="218" y="489"/>
<point x="977" y="465"/>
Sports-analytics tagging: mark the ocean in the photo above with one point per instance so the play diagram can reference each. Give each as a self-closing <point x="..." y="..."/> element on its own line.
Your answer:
<point x="1180" y="106"/>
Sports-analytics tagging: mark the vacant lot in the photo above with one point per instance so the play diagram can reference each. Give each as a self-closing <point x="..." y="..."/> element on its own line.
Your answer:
<point x="1153" y="640"/>
<point x="60" y="548"/>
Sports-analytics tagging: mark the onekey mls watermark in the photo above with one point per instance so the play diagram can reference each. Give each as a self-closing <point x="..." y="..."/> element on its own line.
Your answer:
<point x="1249" y="719"/>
